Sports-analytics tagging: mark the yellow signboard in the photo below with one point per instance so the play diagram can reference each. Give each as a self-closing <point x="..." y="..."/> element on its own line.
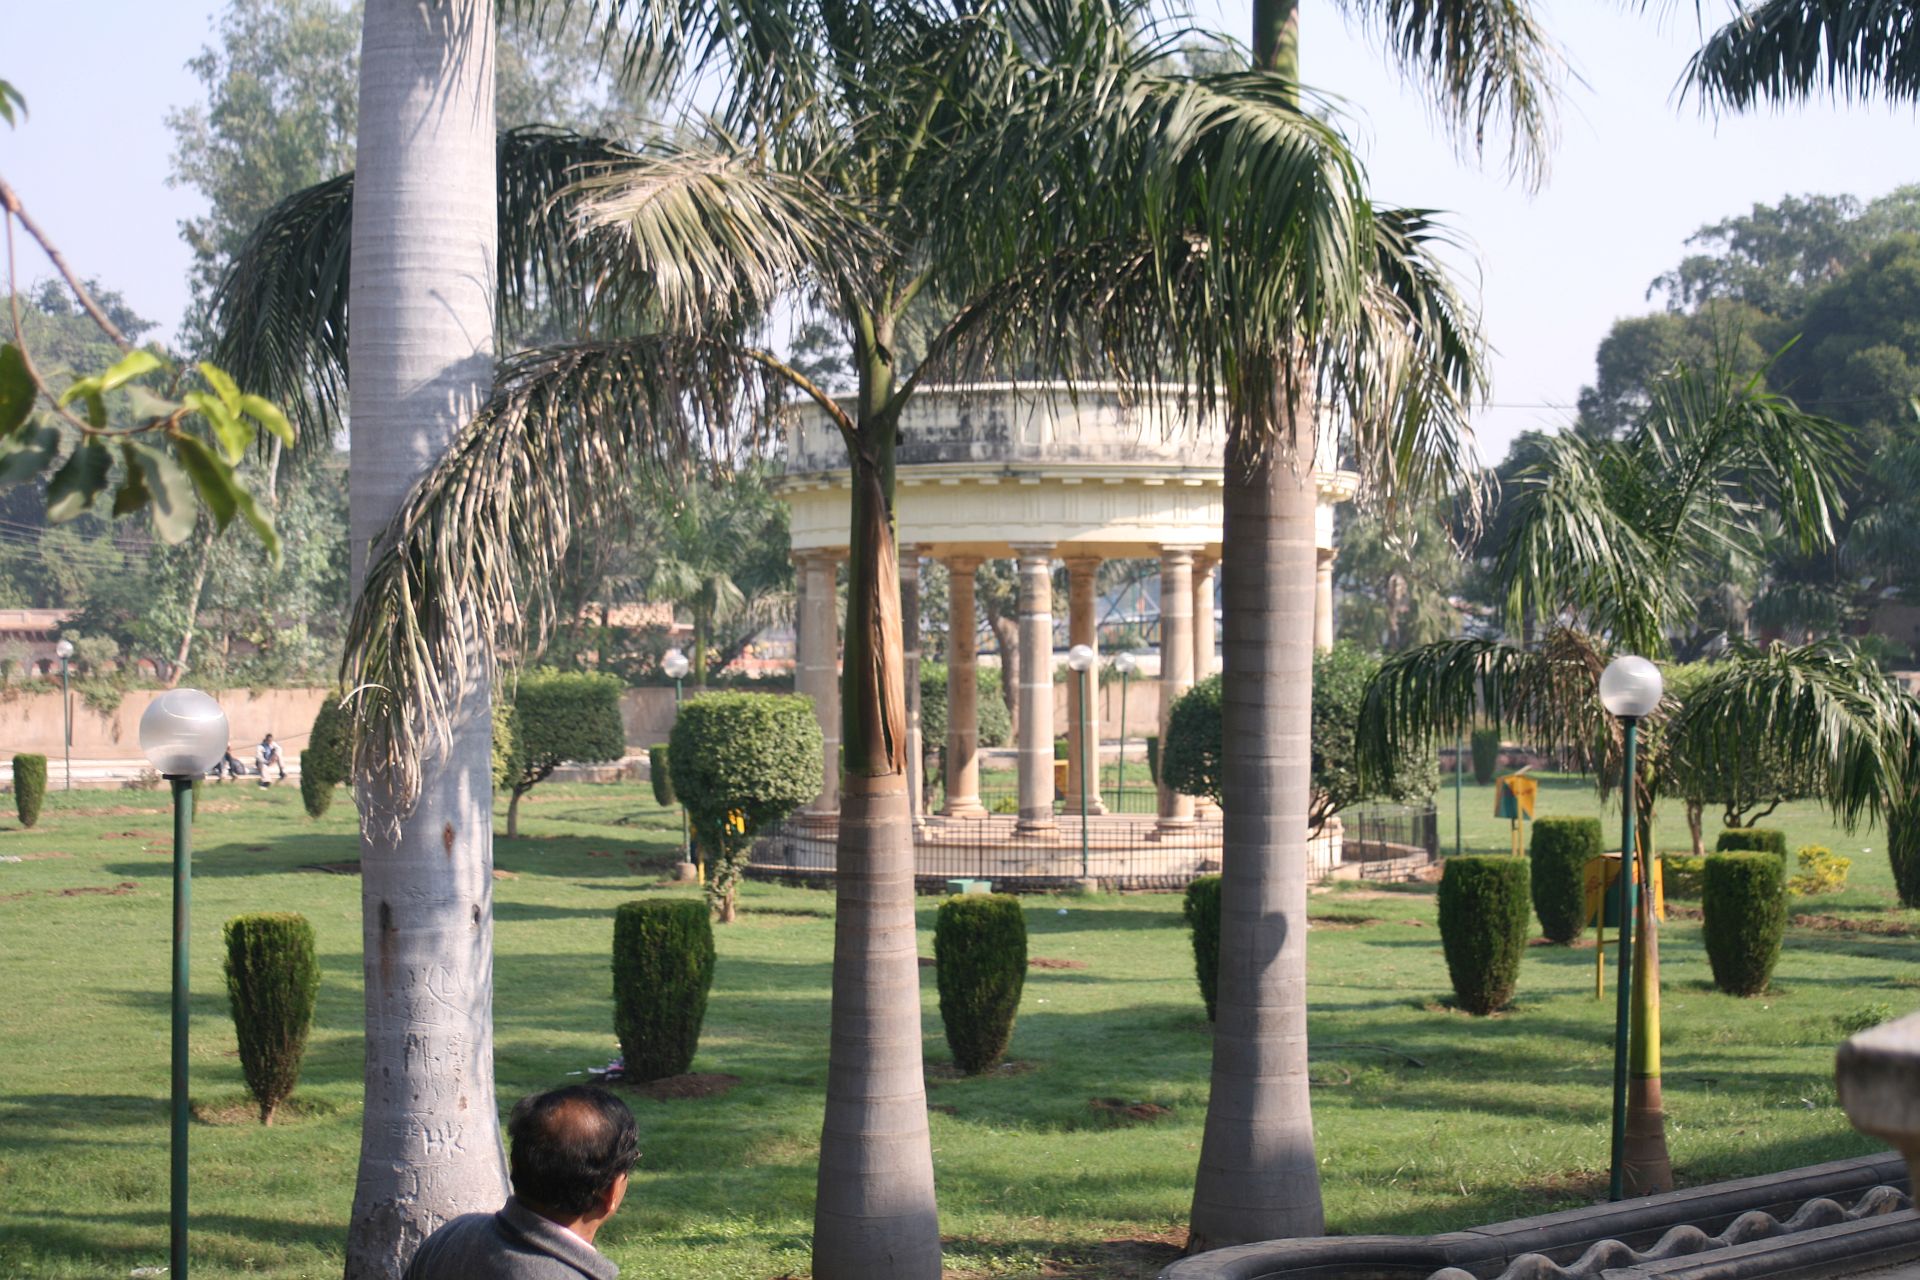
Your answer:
<point x="1513" y="796"/>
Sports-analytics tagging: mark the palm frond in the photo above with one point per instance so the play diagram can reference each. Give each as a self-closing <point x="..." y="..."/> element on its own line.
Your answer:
<point x="470" y="563"/>
<point x="1438" y="692"/>
<point x="1785" y="51"/>
<point x="281" y="311"/>
<point x="1488" y="64"/>
<point x="712" y="233"/>
<point x="1844" y="724"/>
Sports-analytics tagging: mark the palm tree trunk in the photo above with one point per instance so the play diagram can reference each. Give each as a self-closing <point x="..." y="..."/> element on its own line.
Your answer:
<point x="702" y="631"/>
<point x="874" y="1211"/>
<point x="1258" y="1178"/>
<point x="421" y="363"/>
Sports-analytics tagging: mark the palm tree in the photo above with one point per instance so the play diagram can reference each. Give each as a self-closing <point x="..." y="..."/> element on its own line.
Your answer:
<point x="421" y="364"/>
<point x="1609" y="538"/>
<point x="851" y="144"/>
<point x="1791" y="50"/>
<point x="701" y="539"/>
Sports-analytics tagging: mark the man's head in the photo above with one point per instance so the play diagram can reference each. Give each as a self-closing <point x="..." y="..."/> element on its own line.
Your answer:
<point x="572" y="1150"/>
<point x="268" y="738"/>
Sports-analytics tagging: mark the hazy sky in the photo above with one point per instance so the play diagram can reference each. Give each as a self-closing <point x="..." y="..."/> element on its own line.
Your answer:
<point x="1635" y="172"/>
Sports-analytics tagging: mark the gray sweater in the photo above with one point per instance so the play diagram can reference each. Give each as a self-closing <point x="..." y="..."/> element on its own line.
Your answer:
<point x="513" y="1244"/>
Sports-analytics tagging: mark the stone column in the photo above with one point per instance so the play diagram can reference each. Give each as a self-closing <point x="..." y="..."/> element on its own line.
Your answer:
<point x="1083" y="721"/>
<point x="821" y="653"/>
<point x="1036" y="690"/>
<point x="1323" y="599"/>
<point x="963" y="685"/>
<point x="1206" y="573"/>
<point x="910" y="642"/>
<point x="1176" y="663"/>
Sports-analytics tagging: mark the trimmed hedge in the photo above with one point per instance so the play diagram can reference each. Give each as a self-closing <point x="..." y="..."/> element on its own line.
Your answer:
<point x="272" y="981"/>
<point x="1558" y="855"/>
<point x="29" y="787"/>
<point x="1903" y="851"/>
<point x="1682" y="875"/>
<point x="741" y="762"/>
<point x="560" y="716"/>
<point x="659" y="772"/>
<point x="1202" y="910"/>
<point x="1745" y="908"/>
<point x="1753" y="840"/>
<point x="662" y="972"/>
<point x="324" y="763"/>
<point x="1485" y="746"/>
<point x="1483" y="928"/>
<point x="980" y="962"/>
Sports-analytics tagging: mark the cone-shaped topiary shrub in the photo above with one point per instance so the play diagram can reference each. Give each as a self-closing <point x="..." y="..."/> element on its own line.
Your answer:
<point x="272" y="979"/>
<point x="1745" y="908"/>
<point x="1559" y="853"/>
<point x="29" y="787"/>
<point x="1903" y="851"/>
<point x="980" y="960"/>
<point x="1485" y="746"/>
<point x="323" y="765"/>
<point x="658" y="772"/>
<point x="1483" y="928"/>
<point x="1202" y="910"/>
<point x="662" y="972"/>
<point x="1753" y="839"/>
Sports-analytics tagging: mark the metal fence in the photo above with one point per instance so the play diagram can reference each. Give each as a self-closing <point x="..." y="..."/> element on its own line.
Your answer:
<point x="1388" y="841"/>
<point x="1121" y="852"/>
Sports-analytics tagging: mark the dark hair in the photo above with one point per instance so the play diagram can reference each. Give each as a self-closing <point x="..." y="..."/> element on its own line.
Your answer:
<point x="568" y="1147"/>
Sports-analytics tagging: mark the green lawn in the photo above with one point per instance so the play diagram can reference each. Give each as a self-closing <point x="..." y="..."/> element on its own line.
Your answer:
<point x="1501" y="1117"/>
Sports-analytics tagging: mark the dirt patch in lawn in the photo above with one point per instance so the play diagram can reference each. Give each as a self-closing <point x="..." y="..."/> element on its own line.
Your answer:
<point x="1560" y="1185"/>
<point x="332" y="868"/>
<point x="695" y="1084"/>
<point x="34" y="857"/>
<point x="1856" y="924"/>
<point x="1136" y="1259"/>
<point x="120" y="890"/>
<point x="1340" y="922"/>
<point x="130" y="835"/>
<point x="1127" y="1112"/>
<point x="1054" y="962"/>
<point x="121" y="811"/>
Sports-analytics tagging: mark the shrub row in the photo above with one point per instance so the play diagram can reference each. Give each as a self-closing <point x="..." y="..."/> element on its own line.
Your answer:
<point x="980" y="965"/>
<point x="1744" y="902"/>
<point x="1483" y="903"/>
<point x="1753" y="839"/>
<point x="662" y="973"/>
<point x="1558" y="854"/>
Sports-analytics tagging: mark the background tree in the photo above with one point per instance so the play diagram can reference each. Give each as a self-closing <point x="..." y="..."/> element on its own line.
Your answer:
<point x="1395" y="576"/>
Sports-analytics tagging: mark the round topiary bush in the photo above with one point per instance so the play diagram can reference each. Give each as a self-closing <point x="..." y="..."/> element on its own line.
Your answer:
<point x="1558" y="856"/>
<point x="1745" y="908"/>
<point x="1485" y="747"/>
<point x="272" y="981"/>
<point x="1202" y="910"/>
<point x="1903" y="851"/>
<point x="1753" y="839"/>
<point x="659" y="772"/>
<point x="980" y="961"/>
<point x="323" y="764"/>
<point x="662" y="972"/>
<point x="29" y="787"/>
<point x="1483" y="928"/>
<point x="740" y="762"/>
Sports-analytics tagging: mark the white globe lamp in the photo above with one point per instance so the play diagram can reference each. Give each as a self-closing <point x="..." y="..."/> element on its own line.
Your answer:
<point x="1630" y="687"/>
<point x="675" y="664"/>
<point x="183" y="732"/>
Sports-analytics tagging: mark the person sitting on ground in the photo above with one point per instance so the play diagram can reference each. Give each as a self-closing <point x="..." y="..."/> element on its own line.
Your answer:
<point x="571" y="1152"/>
<point x="229" y="765"/>
<point x="269" y="754"/>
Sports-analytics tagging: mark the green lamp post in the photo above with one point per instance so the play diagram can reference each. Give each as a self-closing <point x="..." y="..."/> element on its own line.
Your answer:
<point x="1080" y="658"/>
<point x="676" y="666"/>
<point x="1630" y="689"/>
<point x="63" y="651"/>
<point x="182" y="733"/>
<point x="1126" y="664"/>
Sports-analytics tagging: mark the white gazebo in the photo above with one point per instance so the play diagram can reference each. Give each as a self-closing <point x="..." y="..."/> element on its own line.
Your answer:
<point x="1036" y="472"/>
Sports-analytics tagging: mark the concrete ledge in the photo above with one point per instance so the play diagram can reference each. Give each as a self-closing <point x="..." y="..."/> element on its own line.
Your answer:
<point x="1562" y="1237"/>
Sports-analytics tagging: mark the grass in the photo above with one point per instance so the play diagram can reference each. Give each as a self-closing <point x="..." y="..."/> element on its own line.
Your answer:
<point x="1502" y="1116"/>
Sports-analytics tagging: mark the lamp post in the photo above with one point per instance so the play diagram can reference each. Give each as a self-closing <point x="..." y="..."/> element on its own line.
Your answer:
<point x="65" y="650"/>
<point x="1630" y="689"/>
<point x="1125" y="665"/>
<point x="182" y="732"/>
<point x="675" y="664"/>
<point x="1080" y="658"/>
